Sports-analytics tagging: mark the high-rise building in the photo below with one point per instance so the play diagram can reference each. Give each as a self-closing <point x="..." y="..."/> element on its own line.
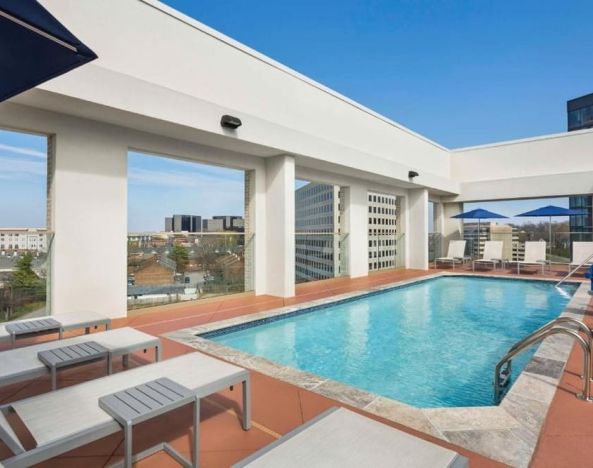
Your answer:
<point x="168" y="224"/>
<point x="212" y="225"/>
<point x="317" y="225"/>
<point x="512" y="249"/>
<point x="181" y="223"/>
<point x="579" y="117"/>
<point x="228" y="222"/>
<point x="196" y="224"/>
<point x="382" y="231"/>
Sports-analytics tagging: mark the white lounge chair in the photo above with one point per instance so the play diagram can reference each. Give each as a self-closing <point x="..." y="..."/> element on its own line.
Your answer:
<point x="23" y="363"/>
<point x="68" y="418"/>
<point x="535" y="254"/>
<point x="65" y="322"/>
<point x="340" y="437"/>
<point x="455" y="254"/>
<point x="581" y="253"/>
<point x="492" y="255"/>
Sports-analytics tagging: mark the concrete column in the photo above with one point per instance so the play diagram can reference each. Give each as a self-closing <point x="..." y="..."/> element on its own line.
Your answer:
<point x="416" y="234"/>
<point x="88" y="211"/>
<point x="279" y="242"/>
<point x="355" y="222"/>
<point x="449" y="228"/>
<point x="249" y="229"/>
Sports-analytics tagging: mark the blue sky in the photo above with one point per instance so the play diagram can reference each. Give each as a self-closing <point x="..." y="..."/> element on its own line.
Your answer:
<point x="459" y="72"/>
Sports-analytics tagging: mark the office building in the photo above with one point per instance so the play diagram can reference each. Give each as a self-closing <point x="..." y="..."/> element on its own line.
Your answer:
<point x="580" y="116"/>
<point x="382" y="231"/>
<point x="168" y="224"/>
<point x="212" y="225"/>
<point x="512" y="249"/>
<point x="196" y="224"/>
<point x="317" y="226"/>
<point x="228" y="222"/>
<point x="23" y="240"/>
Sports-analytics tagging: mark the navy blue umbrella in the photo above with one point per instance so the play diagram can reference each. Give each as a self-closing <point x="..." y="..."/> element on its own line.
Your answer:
<point x="478" y="214"/>
<point x="34" y="47"/>
<point x="549" y="212"/>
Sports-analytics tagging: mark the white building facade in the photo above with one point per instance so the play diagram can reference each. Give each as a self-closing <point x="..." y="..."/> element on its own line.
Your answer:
<point x="23" y="240"/>
<point x="382" y="231"/>
<point x="317" y="232"/>
<point x="160" y="86"/>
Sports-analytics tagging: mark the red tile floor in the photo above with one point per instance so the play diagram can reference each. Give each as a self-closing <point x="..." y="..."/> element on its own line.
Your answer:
<point x="279" y="407"/>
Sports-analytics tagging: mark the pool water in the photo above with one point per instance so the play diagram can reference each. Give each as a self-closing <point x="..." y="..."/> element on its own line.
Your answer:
<point x="430" y="344"/>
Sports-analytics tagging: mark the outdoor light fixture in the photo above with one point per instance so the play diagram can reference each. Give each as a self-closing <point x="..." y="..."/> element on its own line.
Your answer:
<point x="228" y="121"/>
<point x="412" y="174"/>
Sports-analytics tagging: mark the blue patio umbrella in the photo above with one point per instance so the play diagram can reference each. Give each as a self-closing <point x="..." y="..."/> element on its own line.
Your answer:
<point x="479" y="214"/>
<point x="34" y="47"/>
<point x="549" y="212"/>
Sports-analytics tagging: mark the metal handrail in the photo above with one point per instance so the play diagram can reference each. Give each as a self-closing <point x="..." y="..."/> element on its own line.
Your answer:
<point x="581" y="325"/>
<point x="531" y="340"/>
<point x="552" y="323"/>
<point x="570" y="273"/>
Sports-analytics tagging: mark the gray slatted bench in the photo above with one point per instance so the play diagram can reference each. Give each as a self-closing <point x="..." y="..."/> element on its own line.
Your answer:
<point x="73" y="355"/>
<point x="146" y="401"/>
<point x="32" y="327"/>
<point x="61" y="323"/>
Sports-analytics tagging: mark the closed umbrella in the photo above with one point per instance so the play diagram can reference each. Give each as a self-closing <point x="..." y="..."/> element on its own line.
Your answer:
<point x="479" y="214"/>
<point x="549" y="212"/>
<point x="34" y="47"/>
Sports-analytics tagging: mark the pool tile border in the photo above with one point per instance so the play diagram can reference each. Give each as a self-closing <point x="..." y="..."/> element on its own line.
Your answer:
<point x="507" y="433"/>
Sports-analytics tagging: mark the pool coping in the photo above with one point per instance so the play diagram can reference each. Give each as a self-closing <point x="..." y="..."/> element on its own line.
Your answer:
<point x="507" y="433"/>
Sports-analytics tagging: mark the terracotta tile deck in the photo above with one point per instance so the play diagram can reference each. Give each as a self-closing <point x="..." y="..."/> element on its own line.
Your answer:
<point x="279" y="407"/>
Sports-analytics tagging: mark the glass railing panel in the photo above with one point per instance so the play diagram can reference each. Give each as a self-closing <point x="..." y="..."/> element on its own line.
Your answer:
<point x="165" y="268"/>
<point x="383" y="251"/>
<point x="320" y="255"/>
<point x="25" y="281"/>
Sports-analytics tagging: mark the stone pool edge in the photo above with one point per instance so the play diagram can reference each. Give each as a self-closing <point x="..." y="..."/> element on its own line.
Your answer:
<point x="507" y="433"/>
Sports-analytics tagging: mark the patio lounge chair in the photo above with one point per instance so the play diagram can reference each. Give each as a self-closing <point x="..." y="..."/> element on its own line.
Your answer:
<point x="23" y="363"/>
<point x="581" y="251"/>
<point x="340" y="437"/>
<point x="455" y="254"/>
<point x="65" y="322"/>
<point x="68" y="418"/>
<point x="492" y="255"/>
<point x="535" y="254"/>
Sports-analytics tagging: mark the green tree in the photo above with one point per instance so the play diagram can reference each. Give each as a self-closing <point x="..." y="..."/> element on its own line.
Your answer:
<point x="180" y="256"/>
<point x="24" y="277"/>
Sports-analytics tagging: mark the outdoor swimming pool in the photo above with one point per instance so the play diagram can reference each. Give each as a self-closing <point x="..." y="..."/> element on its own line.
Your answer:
<point x="433" y="343"/>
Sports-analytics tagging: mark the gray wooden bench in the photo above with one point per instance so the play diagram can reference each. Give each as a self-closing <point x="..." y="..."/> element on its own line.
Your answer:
<point x="73" y="355"/>
<point x="146" y="401"/>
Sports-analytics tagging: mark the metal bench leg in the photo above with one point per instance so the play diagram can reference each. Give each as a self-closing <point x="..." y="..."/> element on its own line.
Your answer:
<point x="87" y="330"/>
<point x="246" y="422"/>
<point x="125" y="359"/>
<point x="128" y="445"/>
<point x="196" y="445"/>
<point x="54" y="378"/>
<point x="109" y="364"/>
<point x="157" y="353"/>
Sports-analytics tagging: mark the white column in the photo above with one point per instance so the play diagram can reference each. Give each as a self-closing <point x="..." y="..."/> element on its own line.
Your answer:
<point x="355" y="224"/>
<point x="88" y="210"/>
<point x="449" y="228"/>
<point x="279" y="243"/>
<point x="416" y="223"/>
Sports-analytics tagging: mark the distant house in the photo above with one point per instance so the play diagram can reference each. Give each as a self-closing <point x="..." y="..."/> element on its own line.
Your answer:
<point x="151" y="270"/>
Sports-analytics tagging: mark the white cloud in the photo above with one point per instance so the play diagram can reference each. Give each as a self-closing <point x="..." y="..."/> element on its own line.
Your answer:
<point x="23" y="150"/>
<point x="177" y="179"/>
<point x="11" y="167"/>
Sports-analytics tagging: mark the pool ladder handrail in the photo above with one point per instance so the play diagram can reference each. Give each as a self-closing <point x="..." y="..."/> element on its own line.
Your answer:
<point x="570" y="273"/>
<point x="551" y="328"/>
